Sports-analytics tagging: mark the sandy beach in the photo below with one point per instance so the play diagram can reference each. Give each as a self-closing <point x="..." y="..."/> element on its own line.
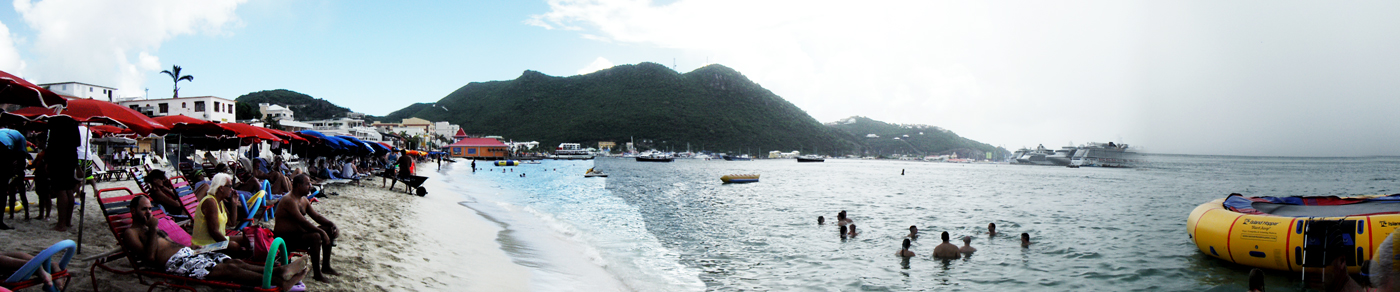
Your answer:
<point x="390" y="241"/>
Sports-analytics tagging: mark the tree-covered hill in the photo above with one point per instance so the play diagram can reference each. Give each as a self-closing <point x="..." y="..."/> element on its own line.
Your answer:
<point x="304" y="107"/>
<point x="882" y="138"/>
<point x="713" y="107"/>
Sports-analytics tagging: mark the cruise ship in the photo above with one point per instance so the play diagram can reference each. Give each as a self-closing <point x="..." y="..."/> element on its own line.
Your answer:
<point x="1092" y="154"/>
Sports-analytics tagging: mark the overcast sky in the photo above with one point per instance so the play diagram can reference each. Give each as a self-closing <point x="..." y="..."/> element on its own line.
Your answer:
<point x="1291" y="78"/>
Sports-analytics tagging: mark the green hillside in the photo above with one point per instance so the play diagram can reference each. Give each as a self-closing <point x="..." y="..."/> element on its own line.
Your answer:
<point x="921" y="140"/>
<point x="305" y="107"/>
<point x="714" y="108"/>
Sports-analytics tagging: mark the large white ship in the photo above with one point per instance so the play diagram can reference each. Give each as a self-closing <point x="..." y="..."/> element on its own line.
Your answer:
<point x="1092" y="154"/>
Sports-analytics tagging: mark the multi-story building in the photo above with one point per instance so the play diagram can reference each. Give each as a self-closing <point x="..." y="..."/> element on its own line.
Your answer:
<point x="276" y="111"/>
<point x="82" y="90"/>
<point x="209" y="108"/>
<point x="346" y="126"/>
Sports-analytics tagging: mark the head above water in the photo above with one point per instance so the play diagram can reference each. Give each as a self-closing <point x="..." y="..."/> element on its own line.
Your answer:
<point x="945" y="236"/>
<point x="1256" y="280"/>
<point x="913" y="229"/>
<point x="906" y="243"/>
<point x="821" y="220"/>
<point x="843" y="231"/>
<point x="1025" y="239"/>
<point x="992" y="227"/>
<point x="841" y="215"/>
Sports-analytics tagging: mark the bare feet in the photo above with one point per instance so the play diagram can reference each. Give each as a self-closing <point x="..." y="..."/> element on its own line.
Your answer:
<point x="321" y="278"/>
<point x="288" y="282"/>
<point x="60" y="227"/>
<point x="290" y="270"/>
<point x="5" y="227"/>
<point x="328" y="271"/>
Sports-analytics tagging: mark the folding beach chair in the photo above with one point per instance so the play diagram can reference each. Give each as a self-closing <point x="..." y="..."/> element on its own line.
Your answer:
<point x="24" y="277"/>
<point x="118" y="215"/>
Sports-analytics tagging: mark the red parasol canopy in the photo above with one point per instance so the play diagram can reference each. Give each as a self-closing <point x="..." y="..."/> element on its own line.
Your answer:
<point x="92" y="110"/>
<point x="107" y="130"/>
<point x="286" y="135"/>
<point x="15" y="90"/>
<point x="247" y="131"/>
<point x="182" y="124"/>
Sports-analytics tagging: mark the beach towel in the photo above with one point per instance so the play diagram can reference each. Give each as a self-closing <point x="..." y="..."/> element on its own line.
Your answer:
<point x="173" y="230"/>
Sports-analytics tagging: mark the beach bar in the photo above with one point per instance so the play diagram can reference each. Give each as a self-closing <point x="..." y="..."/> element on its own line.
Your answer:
<point x="478" y="148"/>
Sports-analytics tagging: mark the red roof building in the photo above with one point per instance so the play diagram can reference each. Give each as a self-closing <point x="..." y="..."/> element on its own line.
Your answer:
<point x="478" y="148"/>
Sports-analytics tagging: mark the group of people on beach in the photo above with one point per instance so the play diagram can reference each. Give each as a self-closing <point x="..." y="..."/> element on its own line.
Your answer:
<point x="945" y="250"/>
<point x="156" y="241"/>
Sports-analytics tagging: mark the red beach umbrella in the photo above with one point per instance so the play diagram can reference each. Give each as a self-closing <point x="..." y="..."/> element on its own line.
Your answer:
<point x="92" y="110"/>
<point x="249" y="131"/>
<point x="286" y="135"/>
<point x="182" y="124"/>
<point x="108" y="130"/>
<point x="15" y="90"/>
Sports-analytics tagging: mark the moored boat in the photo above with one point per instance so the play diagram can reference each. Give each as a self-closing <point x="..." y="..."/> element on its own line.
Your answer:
<point x="655" y="156"/>
<point x="739" y="178"/>
<point x="1293" y="233"/>
<point x="744" y="157"/>
<point x="810" y="158"/>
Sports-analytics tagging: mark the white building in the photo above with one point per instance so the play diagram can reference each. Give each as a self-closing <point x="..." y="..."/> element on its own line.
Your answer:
<point x="278" y="112"/>
<point x="209" y="108"/>
<point x="445" y="129"/>
<point x="82" y="90"/>
<point x="346" y="126"/>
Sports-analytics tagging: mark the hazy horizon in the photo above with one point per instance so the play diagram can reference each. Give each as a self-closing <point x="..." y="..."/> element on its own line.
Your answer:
<point x="1256" y="78"/>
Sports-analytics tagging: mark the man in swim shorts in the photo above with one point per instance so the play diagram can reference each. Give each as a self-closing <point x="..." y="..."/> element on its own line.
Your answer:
<point x="292" y="225"/>
<point x="148" y="246"/>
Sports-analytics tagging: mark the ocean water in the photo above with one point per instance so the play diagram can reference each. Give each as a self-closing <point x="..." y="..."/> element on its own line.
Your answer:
<point x="676" y="227"/>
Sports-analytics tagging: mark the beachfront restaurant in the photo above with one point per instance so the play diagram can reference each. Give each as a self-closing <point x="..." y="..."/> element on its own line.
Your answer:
<point x="478" y="148"/>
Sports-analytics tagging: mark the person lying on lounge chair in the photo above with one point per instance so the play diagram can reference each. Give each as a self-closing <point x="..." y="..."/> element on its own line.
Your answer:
<point x="280" y="184"/>
<point x="150" y="247"/>
<point x="163" y="193"/>
<point x="13" y="261"/>
<point x="292" y="225"/>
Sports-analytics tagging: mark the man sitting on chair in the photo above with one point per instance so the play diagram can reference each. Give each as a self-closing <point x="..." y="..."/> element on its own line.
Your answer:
<point x="148" y="246"/>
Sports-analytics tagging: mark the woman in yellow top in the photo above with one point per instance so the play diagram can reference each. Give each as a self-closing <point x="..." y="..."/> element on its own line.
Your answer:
<point x="211" y="218"/>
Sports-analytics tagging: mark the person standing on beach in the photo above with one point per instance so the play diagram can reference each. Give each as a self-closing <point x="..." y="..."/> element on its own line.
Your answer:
<point x="473" y="165"/>
<point x="12" y="158"/>
<point x="63" y="167"/>
<point x="292" y="225"/>
<point x="946" y="250"/>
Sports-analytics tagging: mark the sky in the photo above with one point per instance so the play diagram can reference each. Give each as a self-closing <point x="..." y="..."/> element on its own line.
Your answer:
<point x="1259" y="78"/>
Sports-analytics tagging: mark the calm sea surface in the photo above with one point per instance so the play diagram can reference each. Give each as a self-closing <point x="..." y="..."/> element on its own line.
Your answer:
<point x="674" y="226"/>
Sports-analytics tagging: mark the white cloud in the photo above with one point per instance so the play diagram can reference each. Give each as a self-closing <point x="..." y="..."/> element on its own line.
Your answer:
<point x="113" y="43"/>
<point x="976" y="68"/>
<point x="1178" y="77"/>
<point x="9" y="56"/>
<point x="598" y="64"/>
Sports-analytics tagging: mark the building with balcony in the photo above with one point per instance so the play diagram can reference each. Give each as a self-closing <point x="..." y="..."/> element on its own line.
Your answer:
<point x="209" y="108"/>
<point x="276" y="111"/>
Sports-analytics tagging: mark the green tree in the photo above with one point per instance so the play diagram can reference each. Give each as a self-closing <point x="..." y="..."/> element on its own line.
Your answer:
<point x="175" y="75"/>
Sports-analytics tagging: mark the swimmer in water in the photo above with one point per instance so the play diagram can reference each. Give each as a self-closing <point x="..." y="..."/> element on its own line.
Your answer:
<point x="1025" y="239"/>
<point x="946" y="250"/>
<point x="821" y="220"/>
<point x="967" y="245"/>
<point x="905" y="252"/>
<point x="842" y="220"/>
<point x="913" y="232"/>
<point x="843" y="232"/>
<point x="991" y="229"/>
<point x="853" y="231"/>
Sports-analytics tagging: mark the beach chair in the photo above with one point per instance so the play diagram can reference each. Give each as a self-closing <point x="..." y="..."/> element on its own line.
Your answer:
<point x="24" y="277"/>
<point x="118" y="216"/>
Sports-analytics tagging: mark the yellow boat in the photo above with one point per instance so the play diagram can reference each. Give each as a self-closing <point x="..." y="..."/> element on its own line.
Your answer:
<point x="1290" y="233"/>
<point x="739" y="178"/>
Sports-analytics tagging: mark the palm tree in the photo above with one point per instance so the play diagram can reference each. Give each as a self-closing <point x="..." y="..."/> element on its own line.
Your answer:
<point x="175" y="74"/>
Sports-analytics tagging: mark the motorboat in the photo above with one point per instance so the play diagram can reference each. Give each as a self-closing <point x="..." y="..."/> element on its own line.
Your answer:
<point x="655" y="156"/>
<point x="594" y="173"/>
<point x="744" y="157"/>
<point x="810" y="158"/>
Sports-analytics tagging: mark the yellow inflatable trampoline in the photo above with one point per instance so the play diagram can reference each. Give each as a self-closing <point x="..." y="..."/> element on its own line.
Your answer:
<point x="1293" y="233"/>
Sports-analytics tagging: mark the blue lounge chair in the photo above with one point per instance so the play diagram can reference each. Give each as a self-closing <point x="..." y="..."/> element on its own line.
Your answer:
<point x="24" y="277"/>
